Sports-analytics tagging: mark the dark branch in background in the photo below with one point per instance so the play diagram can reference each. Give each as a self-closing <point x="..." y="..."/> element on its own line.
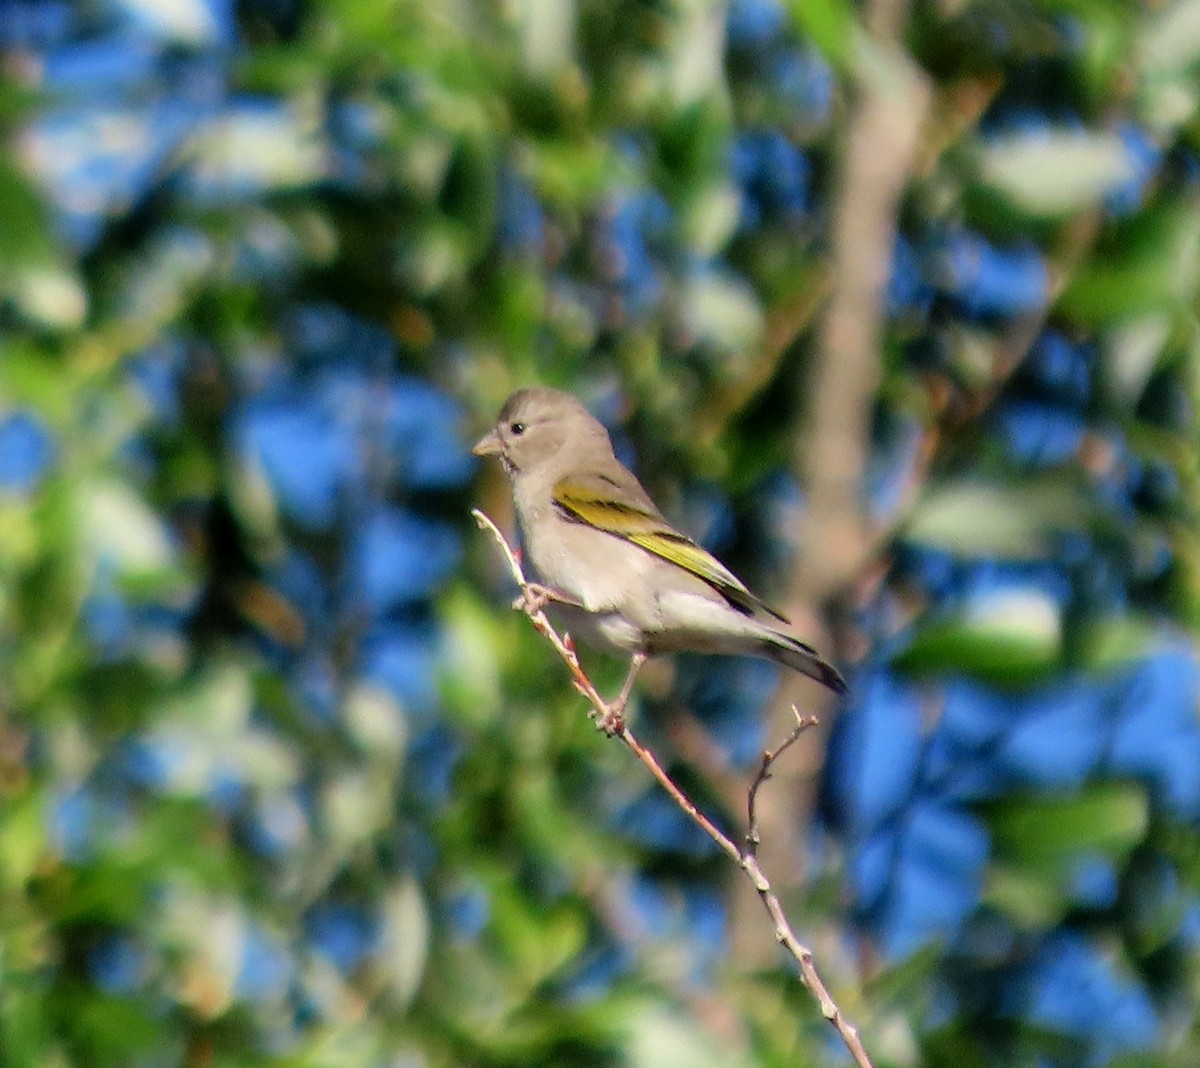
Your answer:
<point x="880" y="150"/>
<point x="745" y="857"/>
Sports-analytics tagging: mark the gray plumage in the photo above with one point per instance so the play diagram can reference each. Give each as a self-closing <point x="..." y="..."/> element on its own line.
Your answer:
<point x="635" y="584"/>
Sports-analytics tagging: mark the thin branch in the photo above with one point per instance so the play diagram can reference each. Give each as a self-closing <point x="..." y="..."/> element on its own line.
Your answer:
<point x="764" y="773"/>
<point x="532" y="603"/>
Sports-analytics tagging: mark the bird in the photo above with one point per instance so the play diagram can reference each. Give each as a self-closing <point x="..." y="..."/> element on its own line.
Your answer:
<point x="612" y="569"/>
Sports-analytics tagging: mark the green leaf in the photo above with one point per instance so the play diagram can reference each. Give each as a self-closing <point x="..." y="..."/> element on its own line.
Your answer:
<point x="1114" y="642"/>
<point x="23" y="217"/>
<point x="22" y="840"/>
<point x="1149" y="266"/>
<point x="405" y="940"/>
<point x="471" y="662"/>
<point x="832" y="26"/>
<point x="1110" y="818"/>
<point x="546" y="29"/>
<point x="1037" y="842"/>
<point x="1013" y="639"/>
<point x="1032" y="899"/>
<point x="969" y="516"/>
<point x="1050" y="174"/>
<point x="722" y="312"/>
<point x="660" y="1037"/>
<point x="118" y="528"/>
<point x="1132" y="350"/>
<point x="1169" y="39"/>
<point x="537" y="940"/>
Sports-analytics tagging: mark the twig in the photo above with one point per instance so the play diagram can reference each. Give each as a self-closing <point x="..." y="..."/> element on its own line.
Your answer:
<point x="764" y="773"/>
<point x="746" y="857"/>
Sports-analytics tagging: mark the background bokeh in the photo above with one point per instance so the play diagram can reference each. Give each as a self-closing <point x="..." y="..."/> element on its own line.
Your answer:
<point x="282" y="780"/>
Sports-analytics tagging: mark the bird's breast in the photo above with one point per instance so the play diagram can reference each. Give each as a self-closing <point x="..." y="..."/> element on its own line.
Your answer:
<point x="596" y="568"/>
<point x="601" y="571"/>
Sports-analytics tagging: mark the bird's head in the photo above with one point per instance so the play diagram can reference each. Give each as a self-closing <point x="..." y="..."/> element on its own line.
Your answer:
<point x="537" y="426"/>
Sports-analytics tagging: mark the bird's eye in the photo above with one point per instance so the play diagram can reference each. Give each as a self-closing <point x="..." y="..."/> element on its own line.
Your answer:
<point x="517" y="429"/>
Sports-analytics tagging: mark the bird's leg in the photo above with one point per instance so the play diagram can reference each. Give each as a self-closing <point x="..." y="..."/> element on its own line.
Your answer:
<point x="635" y="665"/>
<point x="612" y="719"/>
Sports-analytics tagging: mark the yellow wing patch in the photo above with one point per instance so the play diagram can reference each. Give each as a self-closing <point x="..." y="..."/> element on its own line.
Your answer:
<point x="587" y="504"/>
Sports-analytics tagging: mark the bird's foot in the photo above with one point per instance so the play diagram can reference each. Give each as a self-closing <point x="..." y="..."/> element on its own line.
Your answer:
<point x="611" y="719"/>
<point x="534" y="598"/>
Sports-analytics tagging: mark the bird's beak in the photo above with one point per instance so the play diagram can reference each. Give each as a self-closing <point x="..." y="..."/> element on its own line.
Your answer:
<point x="488" y="445"/>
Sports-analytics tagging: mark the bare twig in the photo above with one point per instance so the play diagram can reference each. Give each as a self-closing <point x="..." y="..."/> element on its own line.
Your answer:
<point x="764" y="773"/>
<point x="744" y="857"/>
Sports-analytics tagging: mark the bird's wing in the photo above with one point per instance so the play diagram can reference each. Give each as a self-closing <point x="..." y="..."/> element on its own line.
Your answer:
<point x="619" y="506"/>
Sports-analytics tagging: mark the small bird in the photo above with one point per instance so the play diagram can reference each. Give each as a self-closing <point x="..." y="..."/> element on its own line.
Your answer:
<point x="614" y="571"/>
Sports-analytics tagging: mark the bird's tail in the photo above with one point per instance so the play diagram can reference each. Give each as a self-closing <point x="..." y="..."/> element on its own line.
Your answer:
<point x="786" y="650"/>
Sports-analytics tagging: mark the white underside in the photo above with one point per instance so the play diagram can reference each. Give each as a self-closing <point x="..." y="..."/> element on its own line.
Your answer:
<point x="632" y="600"/>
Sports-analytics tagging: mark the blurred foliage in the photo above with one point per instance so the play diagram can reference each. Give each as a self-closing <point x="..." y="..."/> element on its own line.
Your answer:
<point x="281" y="782"/>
